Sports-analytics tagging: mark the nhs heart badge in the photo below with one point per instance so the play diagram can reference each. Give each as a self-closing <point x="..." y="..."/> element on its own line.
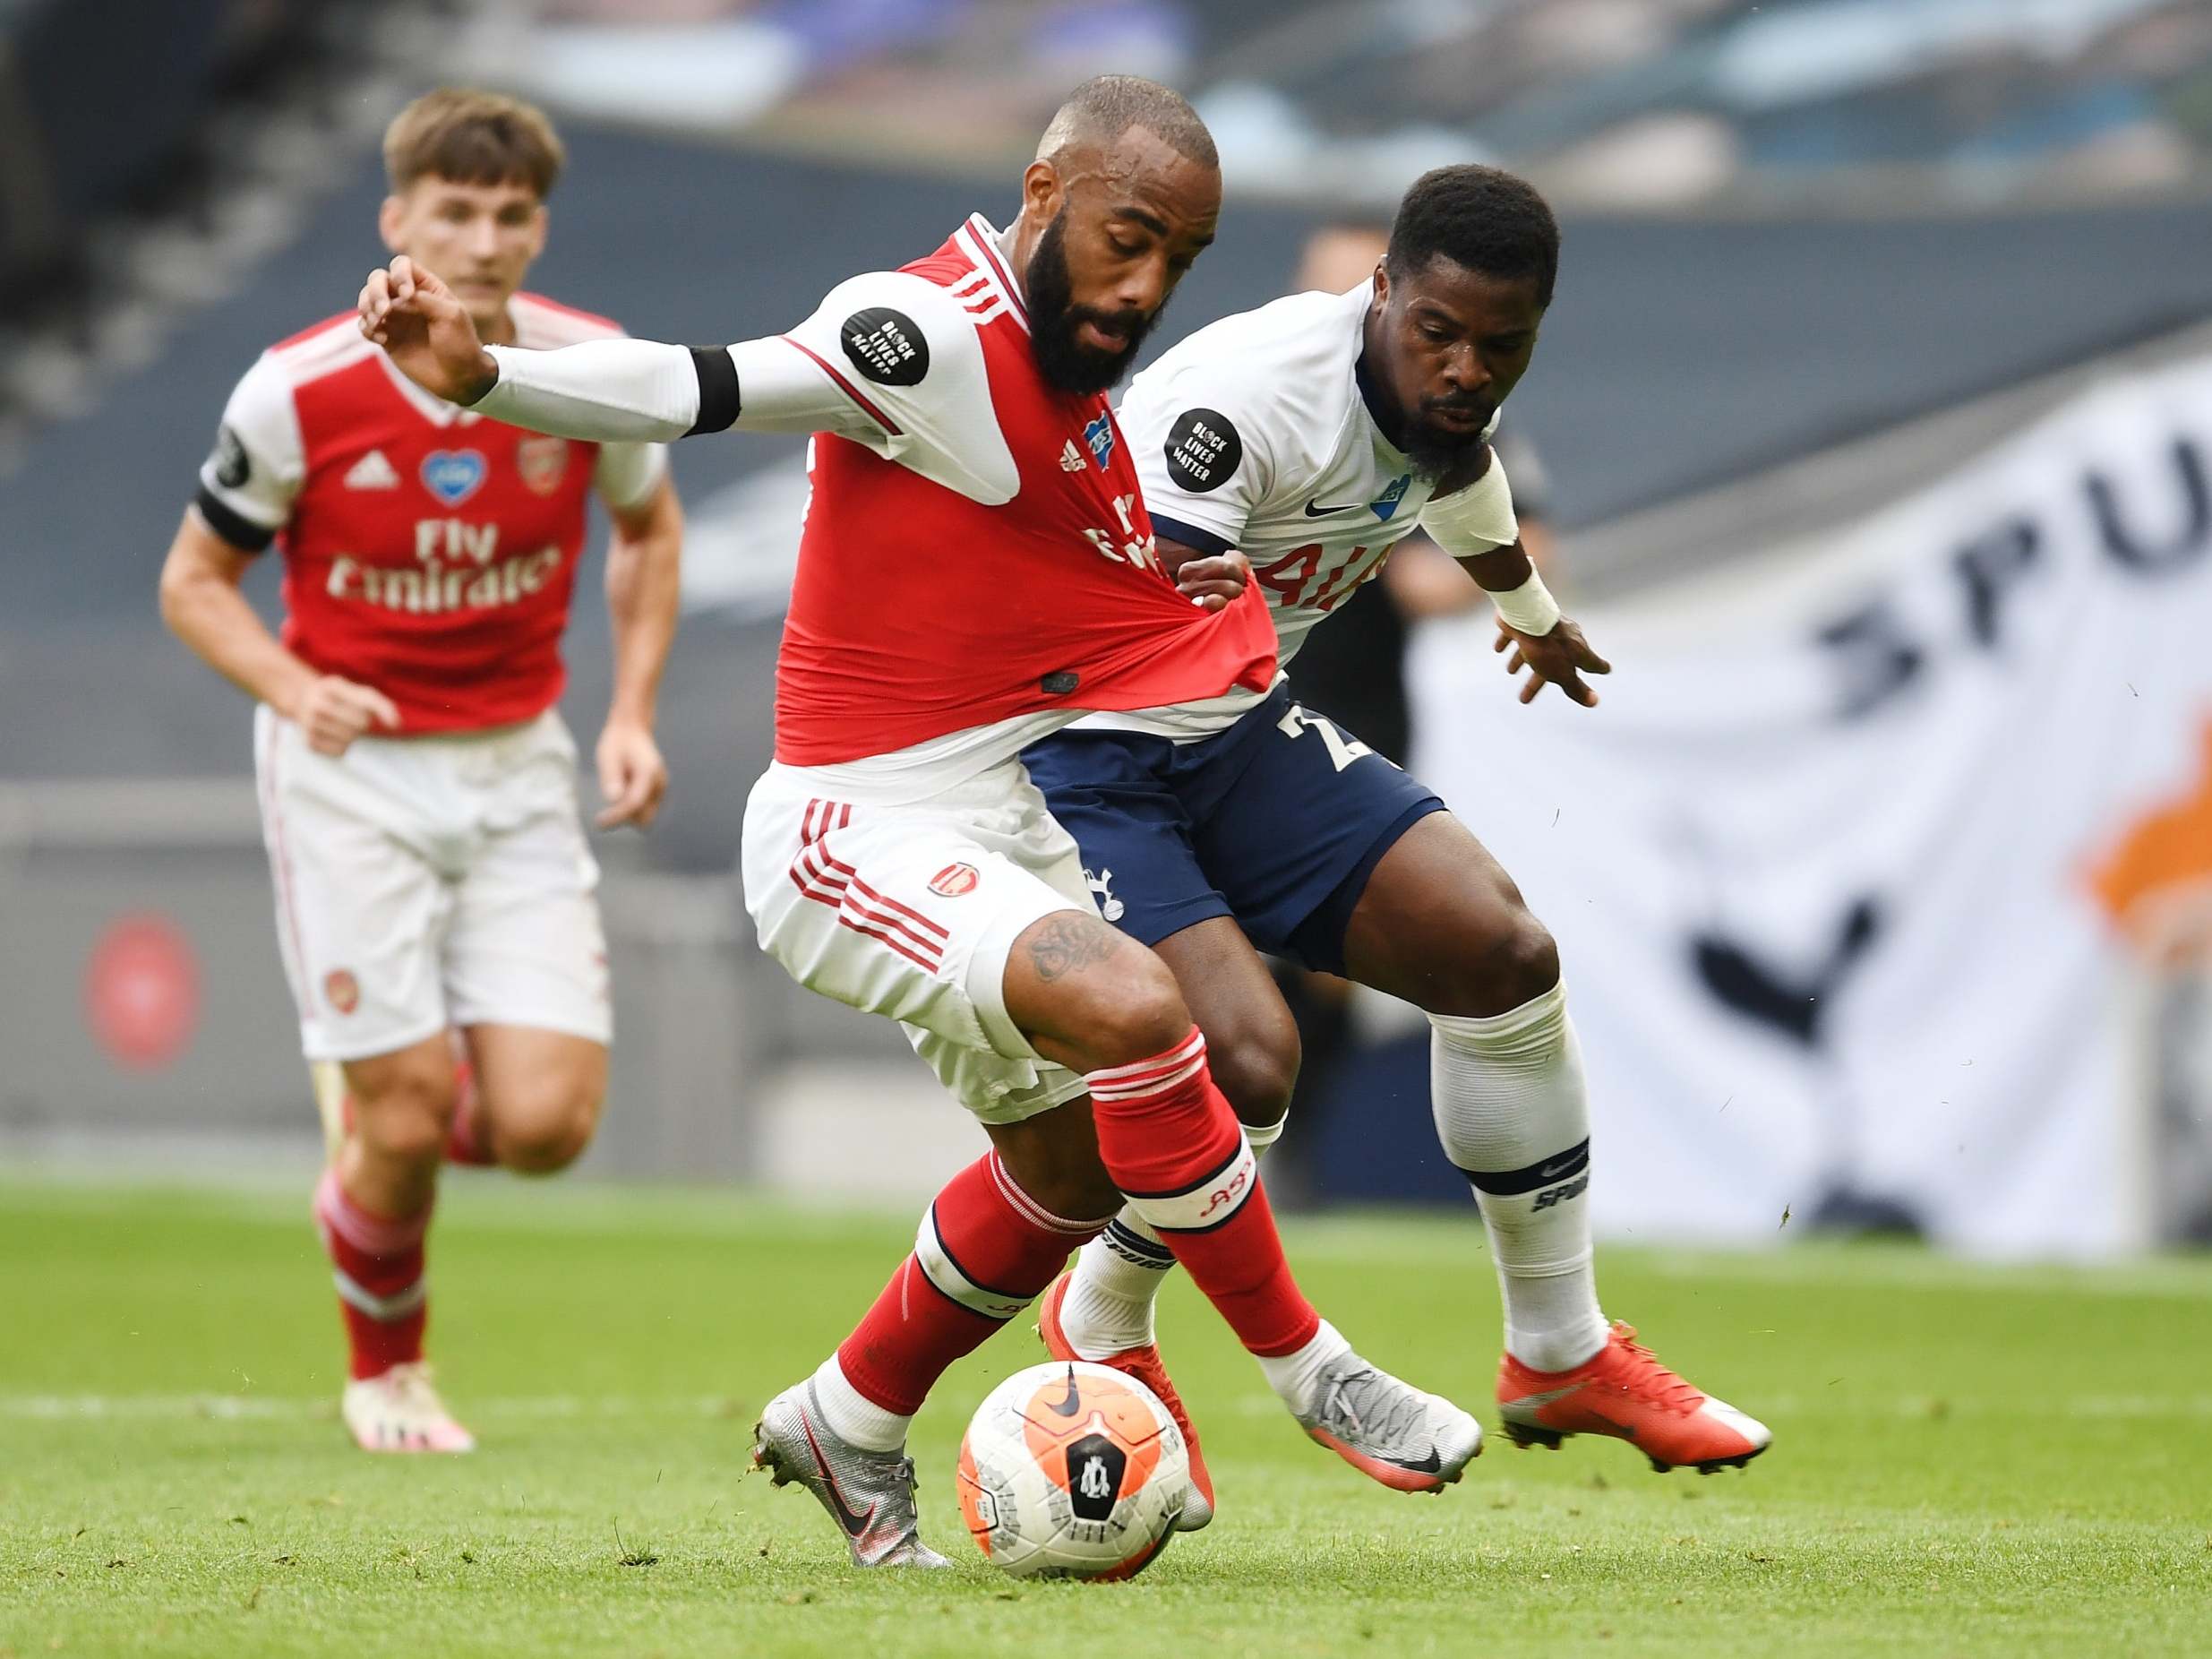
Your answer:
<point x="1386" y="503"/>
<point x="453" y="476"/>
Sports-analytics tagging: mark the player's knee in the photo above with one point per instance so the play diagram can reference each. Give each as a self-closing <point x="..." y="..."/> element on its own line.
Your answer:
<point x="1517" y="962"/>
<point x="405" y="1117"/>
<point x="1256" y="1066"/>
<point x="1138" y="1013"/>
<point x="548" y="1131"/>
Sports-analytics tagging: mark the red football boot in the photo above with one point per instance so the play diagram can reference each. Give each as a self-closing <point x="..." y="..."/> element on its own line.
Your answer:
<point x="1625" y="1392"/>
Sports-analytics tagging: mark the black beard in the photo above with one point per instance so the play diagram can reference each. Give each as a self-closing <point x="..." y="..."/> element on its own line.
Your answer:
<point x="1065" y="363"/>
<point x="1432" y="450"/>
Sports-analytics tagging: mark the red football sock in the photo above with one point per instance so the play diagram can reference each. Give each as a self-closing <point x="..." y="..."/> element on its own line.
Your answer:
<point x="1171" y="1141"/>
<point x="986" y="1249"/>
<point x="377" y="1263"/>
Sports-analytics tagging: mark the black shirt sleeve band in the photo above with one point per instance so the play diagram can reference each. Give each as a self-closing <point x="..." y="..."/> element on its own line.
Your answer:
<point x="1197" y="540"/>
<point x="233" y="526"/>
<point x="717" y="388"/>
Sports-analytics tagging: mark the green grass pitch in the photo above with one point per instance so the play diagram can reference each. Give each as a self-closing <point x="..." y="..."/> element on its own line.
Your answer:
<point x="1967" y="1459"/>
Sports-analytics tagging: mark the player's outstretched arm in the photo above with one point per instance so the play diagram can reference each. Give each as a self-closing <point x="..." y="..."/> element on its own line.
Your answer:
<point x="602" y="391"/>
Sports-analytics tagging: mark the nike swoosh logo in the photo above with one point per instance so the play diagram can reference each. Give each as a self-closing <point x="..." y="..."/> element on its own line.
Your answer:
<point x="1533" y="1401"/>
<point x="1073" y="1404"/>
<point x="1627" y="1431"/>
<point x="1313" y="511"/>
<point x="1547" y="1174"/>
<point x="1430" y="1465"/>
<point x="854" y="1525"/>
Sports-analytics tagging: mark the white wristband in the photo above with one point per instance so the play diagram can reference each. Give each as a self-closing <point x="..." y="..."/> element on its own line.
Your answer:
<point x="1529" y="608"/>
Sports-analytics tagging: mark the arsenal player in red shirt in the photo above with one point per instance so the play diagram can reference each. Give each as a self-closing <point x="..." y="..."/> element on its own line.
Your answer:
<point x="434" y="889"/>
<point x="977" y="568"/>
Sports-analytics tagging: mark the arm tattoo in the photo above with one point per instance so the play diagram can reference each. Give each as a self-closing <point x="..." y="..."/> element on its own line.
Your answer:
<point x="1068" y="942"/>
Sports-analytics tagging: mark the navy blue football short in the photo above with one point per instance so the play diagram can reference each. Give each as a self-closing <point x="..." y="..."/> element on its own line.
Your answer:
<point x="1277" y="823"/>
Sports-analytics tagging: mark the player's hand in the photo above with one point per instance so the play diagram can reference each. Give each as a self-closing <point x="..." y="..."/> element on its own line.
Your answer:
<point x="1212" y="582"/>
<point x="1560" y="657"/>
<point x="413" y="316"/>
<point x="333" y="712"/>
<point x="632" y="775"/>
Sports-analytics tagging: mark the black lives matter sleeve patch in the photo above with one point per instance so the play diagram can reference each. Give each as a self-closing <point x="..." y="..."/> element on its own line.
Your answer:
<point x="232" y="468"/>
<point x="885" y="346"/>
<point x="1202" y="450"/>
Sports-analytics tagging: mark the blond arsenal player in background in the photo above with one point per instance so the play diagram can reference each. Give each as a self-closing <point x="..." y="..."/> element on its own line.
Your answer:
<point x="417" y="787"/>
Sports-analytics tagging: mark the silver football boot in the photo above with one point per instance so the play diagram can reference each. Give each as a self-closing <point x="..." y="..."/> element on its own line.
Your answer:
<point x="870" y="1494"/>
<point x="1388" y="1429"/>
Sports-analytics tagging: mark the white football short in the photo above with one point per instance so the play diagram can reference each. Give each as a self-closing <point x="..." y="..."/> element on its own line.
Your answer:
<point x="426" y="882"/>
<point x="910" y="911"/>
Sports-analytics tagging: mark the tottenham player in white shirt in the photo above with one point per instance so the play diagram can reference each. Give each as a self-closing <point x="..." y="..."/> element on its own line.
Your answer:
<point x="1311" y="434"/>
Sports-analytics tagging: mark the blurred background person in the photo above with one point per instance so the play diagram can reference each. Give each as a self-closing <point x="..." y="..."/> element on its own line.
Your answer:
<point x="434" y="890"/>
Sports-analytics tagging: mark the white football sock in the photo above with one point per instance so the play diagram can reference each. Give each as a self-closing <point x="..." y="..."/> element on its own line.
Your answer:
<point x="1119" y="1275"/>
<point x="851" y="1416"/>
<point x="1513" y="1115"/>
<point x="1293" y="1376"/>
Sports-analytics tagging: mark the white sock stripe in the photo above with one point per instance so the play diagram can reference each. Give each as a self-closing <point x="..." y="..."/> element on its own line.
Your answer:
<point x="384" y="1310"/>
<point x="1207" y="1204"/>
<point x="1153" y="1087"/>
<point x="1034" y="1212"/>
<point x="1112" y="1077"/>
<point x="938" y="1265"/>
<point x="1264" y="1135"/>
<point x="373" y="1235"/>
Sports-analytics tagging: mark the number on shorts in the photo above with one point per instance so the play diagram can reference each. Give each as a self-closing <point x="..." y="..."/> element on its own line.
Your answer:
<point x="1342" y="749"/>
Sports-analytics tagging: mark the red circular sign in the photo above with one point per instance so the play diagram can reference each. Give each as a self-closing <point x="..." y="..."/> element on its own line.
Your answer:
<point x="142" y="992"/>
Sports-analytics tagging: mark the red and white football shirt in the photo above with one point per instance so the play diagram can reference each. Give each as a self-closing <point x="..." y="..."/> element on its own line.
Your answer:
<point x="977" y="566"/>
<point x="429" y="552"/>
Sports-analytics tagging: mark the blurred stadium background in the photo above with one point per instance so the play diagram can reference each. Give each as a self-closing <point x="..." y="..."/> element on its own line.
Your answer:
<point x="1874" y="412"/>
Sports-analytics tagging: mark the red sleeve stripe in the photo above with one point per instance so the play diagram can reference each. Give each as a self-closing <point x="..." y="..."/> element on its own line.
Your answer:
<point x="845" y="385"/>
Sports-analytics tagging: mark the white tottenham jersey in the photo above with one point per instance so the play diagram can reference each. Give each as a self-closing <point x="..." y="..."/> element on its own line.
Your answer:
<point x="1254" y="430"/>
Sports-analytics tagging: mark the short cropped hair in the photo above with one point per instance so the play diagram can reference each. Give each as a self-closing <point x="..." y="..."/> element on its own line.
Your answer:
<point x="1479" y="217"/>
<point x="1104" y="107"/>
<point x="473" y="137"/>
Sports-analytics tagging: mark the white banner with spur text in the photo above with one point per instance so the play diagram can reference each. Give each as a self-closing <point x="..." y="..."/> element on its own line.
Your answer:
<point x="1860" y="876"/>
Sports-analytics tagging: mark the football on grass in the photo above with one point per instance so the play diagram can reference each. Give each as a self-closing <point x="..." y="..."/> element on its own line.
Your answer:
<point x="1071" y="1470"/>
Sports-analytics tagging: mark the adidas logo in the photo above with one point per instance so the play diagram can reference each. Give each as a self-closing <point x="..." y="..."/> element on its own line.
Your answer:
<point x="372" y="472"/>
<point x="1071" y="458"/>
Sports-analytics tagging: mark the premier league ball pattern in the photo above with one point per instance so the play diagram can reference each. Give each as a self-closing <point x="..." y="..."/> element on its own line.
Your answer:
<point x="1072" y="1470"/>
